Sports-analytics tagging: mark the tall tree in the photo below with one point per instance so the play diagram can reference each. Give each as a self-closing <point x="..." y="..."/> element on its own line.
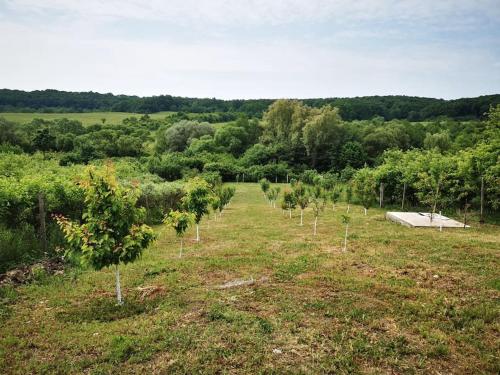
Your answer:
<point x="323" y="133"/>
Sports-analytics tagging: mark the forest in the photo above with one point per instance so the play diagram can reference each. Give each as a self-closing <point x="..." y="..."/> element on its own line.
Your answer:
<point x="358" y="108"/>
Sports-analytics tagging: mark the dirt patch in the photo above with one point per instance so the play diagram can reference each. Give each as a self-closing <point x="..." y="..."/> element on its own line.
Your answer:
<point x="26" y="274"/>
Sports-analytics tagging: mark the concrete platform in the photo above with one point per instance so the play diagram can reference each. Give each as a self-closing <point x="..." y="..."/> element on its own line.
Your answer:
<point x="423" y="219"/>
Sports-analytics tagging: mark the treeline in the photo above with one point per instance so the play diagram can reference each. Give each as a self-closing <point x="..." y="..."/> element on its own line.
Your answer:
<point x="359" y="108"/>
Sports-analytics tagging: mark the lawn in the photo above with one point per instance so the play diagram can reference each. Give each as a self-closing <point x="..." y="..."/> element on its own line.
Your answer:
<point x="400" y="300"/>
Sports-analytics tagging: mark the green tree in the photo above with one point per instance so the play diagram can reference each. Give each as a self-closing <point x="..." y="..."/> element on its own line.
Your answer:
<point x="112" y="231"/>
<point x="317" y="200"/>
<point x="44" y="140"/>
<point x="179" y="221"/>
<point x="302" y="199"/>
<point x="323" y="132"/>
<point x="264" y="185"/>
<point x="289" y="201"/>
<point x="197" y="200"/>
<point x="364" y="186"/>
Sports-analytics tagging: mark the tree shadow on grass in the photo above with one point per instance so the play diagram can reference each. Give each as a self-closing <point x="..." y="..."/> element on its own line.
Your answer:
<point x="105" y="309"/>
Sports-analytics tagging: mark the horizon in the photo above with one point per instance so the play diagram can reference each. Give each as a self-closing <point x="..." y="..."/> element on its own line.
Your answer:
<point x="250" y="50"/>
<point x="250" y="99"/>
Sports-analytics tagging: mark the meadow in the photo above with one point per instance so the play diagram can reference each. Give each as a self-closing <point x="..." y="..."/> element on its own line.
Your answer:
<point x="86" y="118"/>
<point x="399" y="300"/>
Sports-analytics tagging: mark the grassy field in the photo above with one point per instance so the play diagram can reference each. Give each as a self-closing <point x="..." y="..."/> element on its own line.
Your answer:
<point x="87" y="118"/>
<point x="399" y="301"/>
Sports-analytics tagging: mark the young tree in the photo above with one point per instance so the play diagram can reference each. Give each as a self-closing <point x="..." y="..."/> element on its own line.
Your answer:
<point x="215" y="203"/>
<point x="317" y="203"/>
<point x="272" y="195"/>
<point x="334" y="195"/>
<point x="264" y="185"/>
<point x="302" y="199"/>
<point x="364" y="186"/>
<point x="289" y="201"/>
<point x="224" y="196"/>
<point x="197" y="199"/>
<point x="180" y="221"/>
<point x="112" y="231"/>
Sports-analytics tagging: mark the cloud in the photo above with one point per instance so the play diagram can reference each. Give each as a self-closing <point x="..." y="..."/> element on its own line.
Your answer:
<point x="260" y="12"/>
<point x="243" y="49"/>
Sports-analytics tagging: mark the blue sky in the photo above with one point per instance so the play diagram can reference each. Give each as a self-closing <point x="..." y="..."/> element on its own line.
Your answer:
<point x="253" y="48"/>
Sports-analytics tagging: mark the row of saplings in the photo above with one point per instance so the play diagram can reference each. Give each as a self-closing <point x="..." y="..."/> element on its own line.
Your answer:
<point x="112" y="229"/>
<point x="317" y="197"/>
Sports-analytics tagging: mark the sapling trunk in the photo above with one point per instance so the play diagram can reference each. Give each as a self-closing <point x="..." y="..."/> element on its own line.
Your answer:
<point x="348" y="206"/>
<point x="118" y="286"/>
<point x="315" y="224"/>
<point x="365" y="210"/>
<point x="180" y="252"/>
<point x="345" y="237"/>
<point x="197" y="232"/>
<point x="290" y="213"/>
<point x="301" y="216"/>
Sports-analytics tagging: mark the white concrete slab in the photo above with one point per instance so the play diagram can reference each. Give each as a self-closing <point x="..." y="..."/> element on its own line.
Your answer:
<point x="423" y="219"/>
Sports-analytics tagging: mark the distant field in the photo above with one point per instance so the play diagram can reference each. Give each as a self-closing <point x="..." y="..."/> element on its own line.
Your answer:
<point x="87" y="118"/>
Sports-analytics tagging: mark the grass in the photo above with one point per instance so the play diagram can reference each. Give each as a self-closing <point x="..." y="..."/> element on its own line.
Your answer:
<point x="400" y="300"/>
<point x="87" y="118"/>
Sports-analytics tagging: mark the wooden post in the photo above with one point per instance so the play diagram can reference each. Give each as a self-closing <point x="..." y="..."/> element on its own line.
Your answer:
<point x="41" y="218"/>
<point x="287" y="178"/>
<point x="481" y="217"/>
<point x="403" y="200"/>
<point x="275" y="178"/>
<point x="243" y="177"/>
<point x="465" y="213"/>
<point x="381" y="198"/>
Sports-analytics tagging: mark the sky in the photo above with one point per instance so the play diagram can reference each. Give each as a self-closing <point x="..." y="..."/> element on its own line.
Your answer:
<point x="253" y="48"/>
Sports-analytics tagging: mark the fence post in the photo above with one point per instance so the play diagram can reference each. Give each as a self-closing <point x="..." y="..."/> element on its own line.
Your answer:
<point x="381" y="198"/>
<point x="403" y="200"/>
<point x="41" y="218"/>
<point x="481" y="217"/>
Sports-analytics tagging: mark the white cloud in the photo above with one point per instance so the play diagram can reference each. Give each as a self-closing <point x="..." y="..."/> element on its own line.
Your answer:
<point x="65" y="46"/>
<point x="258" y="12"/>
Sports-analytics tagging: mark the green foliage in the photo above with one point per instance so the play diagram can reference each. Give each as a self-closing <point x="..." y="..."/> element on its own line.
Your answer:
<point x="264" y="185"/>
<point x="289" y="199"/>
<point x="364" y="184"/>
<point x="197" y="198"/>
<point x="301" y="195"/>
<point x="177" y="137"/>
<point x="317" y="199"/>
<point x="179" y="221"/>
<point x="111" y="232"/>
